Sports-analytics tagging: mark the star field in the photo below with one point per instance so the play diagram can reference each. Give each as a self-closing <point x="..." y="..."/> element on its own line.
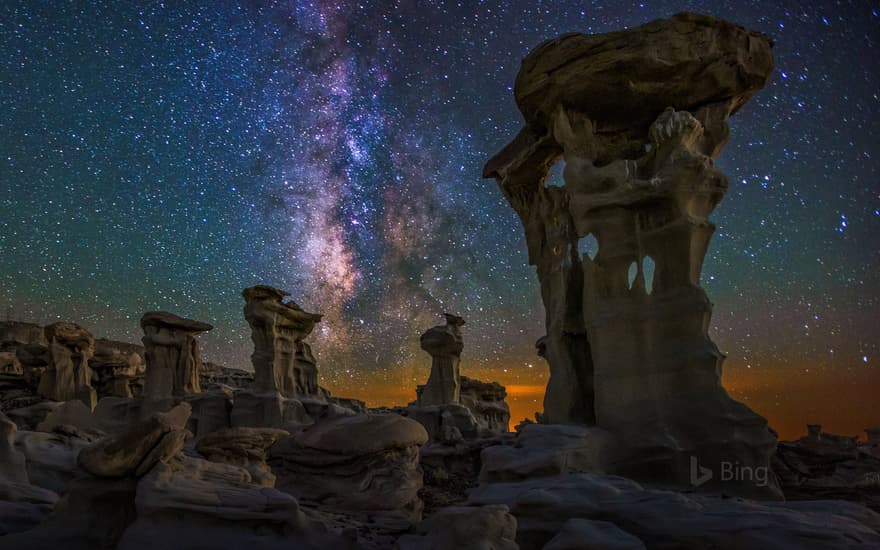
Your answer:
<point x="164" y="155"/>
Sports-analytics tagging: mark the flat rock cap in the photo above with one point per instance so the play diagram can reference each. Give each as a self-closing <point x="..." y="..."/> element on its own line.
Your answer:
<point x="627" y="78"/>
<point x="170" y="320"/>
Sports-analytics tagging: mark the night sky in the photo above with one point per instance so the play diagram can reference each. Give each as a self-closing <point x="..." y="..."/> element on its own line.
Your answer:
<point x="167" y="155"/>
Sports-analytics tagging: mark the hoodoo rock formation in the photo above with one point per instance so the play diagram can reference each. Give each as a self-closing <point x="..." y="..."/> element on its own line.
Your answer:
<point x="638" y="117"/>
<point x="118" y="368"/>
<point x="68" y="375"/>
<point x="282" y="361"/>
<point x="172" y="355"/>
<point x="444" y="344"/>
<point x="450" y="406"/>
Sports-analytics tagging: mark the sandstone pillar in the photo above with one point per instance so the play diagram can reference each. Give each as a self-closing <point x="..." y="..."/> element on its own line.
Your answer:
<point x="172" y="355"/>
<point x="68" y="375"/>
<point x="282" y="362"/>
<point x="444" y="344"/>
<point x="638" y="117"/>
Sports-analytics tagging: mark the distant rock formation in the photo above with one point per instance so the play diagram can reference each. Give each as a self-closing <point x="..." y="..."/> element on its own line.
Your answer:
<point x="172" y="355"/>
<point x="486" y="400"/>
<point x="824" y="465"/>
<point x="638" y="116"/>
<point x="452" y="407"/>
<point x="444" y="344"/>
<point x="212" y="375"/>
<point x="118" y="368"/>
<point x="282" y="361"/>
<point x="68" y="375"/>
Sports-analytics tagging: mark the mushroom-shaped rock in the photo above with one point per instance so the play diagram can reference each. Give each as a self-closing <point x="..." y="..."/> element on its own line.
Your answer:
<point x="365" y="462"/>
<point x="245" y="447"/>
<point x="638" y="117"/>
<point x="444" y="343"/>
<point x="156" y="439"/>
<point x="172" y="355"/>
<point x="68" y="375"/>
<point x="624" y="79"/>
<point x="277" y="330"/>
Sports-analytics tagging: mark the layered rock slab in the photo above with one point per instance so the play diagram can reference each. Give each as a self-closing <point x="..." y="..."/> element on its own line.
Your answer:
<point x="665" y="519"/>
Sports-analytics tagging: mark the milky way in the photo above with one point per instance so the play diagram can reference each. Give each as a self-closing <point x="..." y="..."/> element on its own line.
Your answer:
<point x="167" y="155"/>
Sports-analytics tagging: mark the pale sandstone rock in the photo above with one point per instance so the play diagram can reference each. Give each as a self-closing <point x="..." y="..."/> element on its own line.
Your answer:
<point x="486" y="400"/>
<point x="464" y="528"/>
<point x="69" y="413"/>
<point x="172" y="355"/>
<point x="267" y="409"/>
<point x="23" y="506"/>
<point x="118" y="368"/>
<point x="9" y="363"/>
<point x="12" y="461"/>
<point x="362" y="463"/>
<point x="444" y="343"/>
<point x="245" y="447"/>
<point x="192" y="503"/>
<point x="282" y="361"/>
<point x="446" y="423"/>
<point x="638" y="117"/>
<point x="135" y="451"/>
<point x="665" y="519"/>
<point x="28" y="418"/>
<point x="93" y="514"/>
<point x="68" y="375"/>
<point x="50" y="458"/>
<point x="541" y="450"/>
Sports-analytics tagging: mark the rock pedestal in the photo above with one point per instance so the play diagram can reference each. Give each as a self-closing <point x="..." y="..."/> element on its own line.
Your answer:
<point x="68" y="375"/>
<point x="172" y="355"/>
<point x="638" y="117"/>
<point x="444" y="344"/>
<point x="282" y="362"/>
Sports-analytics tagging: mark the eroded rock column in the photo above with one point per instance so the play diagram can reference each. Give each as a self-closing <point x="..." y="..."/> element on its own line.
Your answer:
<point x="172" y="355"/>
<point x="68" y="375"/>
<point x="638" y="117"/>
<point x="282" y="361"/>
<point x="444" y="344"/>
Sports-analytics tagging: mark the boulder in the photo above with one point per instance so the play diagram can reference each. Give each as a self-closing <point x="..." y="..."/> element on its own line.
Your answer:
<point x="362" y="463"/>
<point x="464" y="528"/>
<point x="50" y="458"/>
<point x="541" y="450"/>
<point x="245" y="447"/>
<point x="666" y="519"/>
<point x="136" y="451"/>
<point x="191" y="504"/>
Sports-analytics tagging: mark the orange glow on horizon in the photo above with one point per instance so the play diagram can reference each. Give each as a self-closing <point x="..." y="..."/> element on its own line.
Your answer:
<point x="789" y="398"/>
